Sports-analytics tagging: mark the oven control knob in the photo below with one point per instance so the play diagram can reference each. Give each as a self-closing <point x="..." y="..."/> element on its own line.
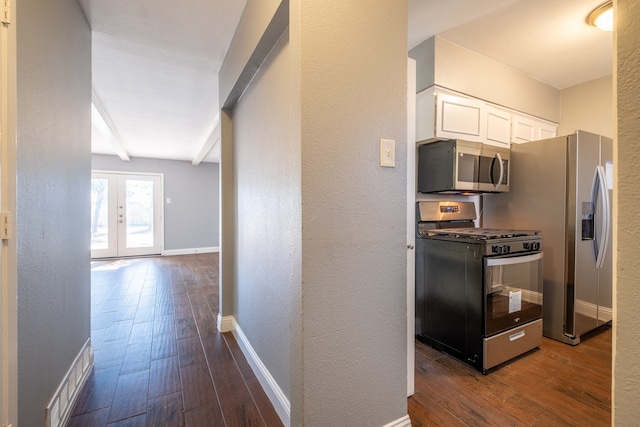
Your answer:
<point x="526" y="246"/>
<point x="496" y="249"/>
<point x="507" y="249"/>
<point x="536" y="246"/>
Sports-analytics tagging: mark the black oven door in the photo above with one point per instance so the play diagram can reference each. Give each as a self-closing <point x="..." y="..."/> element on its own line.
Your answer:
<point x="513" y="291"/>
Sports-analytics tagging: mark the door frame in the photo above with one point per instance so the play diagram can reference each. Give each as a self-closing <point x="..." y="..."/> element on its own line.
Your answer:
<point x="158" y="215"/>
<point x="411" y="223"/>
<point x="8" y="250"/>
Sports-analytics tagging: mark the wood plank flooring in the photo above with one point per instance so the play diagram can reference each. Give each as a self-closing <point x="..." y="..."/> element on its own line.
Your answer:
<point x="160" y="361"/>
<point x="159" y="358"/>
<point x="556" y="385"/>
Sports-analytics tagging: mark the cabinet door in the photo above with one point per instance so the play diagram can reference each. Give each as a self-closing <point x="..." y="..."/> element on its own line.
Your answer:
<point x="498" y="126"/>
<point x="547" y="131"/>
<point x="425" y="115"/>
<point x="523" y="130"/>
<point x="459" y="118"/>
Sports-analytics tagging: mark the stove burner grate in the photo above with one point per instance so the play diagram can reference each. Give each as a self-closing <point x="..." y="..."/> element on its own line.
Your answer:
<point x="481" y="233"/>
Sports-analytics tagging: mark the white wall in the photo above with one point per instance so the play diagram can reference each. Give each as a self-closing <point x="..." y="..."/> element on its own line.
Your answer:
<point x="626" y="375"/>
<point x="52" y="217"/>
<point x="191" y="220"/>
<point x="588" y="106"/>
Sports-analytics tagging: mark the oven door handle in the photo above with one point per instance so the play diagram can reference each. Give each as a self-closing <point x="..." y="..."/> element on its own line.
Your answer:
<point x="495" y="262"/>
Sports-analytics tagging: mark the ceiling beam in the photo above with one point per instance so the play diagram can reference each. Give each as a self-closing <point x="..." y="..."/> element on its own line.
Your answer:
<point x="103" y="122"/>
<point x="209" y="143"/>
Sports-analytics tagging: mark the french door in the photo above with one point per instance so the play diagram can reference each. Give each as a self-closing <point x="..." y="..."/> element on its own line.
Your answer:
<point x="126" y="214"/>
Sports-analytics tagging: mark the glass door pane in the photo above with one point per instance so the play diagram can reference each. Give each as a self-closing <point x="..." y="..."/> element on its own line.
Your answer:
<point x="139" y="212"/>
<point x="103" y="215"/>
<point x="139" y="215"/>
<point x="99" y="214"/>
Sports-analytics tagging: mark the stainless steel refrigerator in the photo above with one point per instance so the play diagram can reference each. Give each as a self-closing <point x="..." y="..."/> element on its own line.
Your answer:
<point x="563" y="186"/>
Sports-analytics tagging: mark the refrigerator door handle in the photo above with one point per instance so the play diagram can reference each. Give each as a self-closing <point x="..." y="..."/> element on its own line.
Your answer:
<point x="600" y="183"/>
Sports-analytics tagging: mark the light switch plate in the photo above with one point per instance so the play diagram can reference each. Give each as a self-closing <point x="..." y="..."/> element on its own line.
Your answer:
<point x="387" y="153"/>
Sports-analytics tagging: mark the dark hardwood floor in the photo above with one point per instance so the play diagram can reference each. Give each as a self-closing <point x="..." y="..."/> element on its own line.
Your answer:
<point x="159" y="358"/>
<point x="556" y="385"/>
<point x="160" y="361"/>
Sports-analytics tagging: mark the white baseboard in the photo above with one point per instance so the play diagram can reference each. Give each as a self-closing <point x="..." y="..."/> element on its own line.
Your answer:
<point x="401" y="422"/>
<point x="190" y="251"/>
<point x="226" y="323"/>
<point x="269" y="385"/>
<point x="58" y="411"/>
<point x="274" y="393"/>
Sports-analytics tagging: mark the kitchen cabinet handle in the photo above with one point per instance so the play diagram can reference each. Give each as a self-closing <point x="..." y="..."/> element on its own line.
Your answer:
<point x="516" y="336"/>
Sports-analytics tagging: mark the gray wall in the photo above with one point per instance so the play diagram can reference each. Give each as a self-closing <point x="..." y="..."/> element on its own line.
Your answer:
<point x="267" y="176"/>
<point x="441" y="62"/>
<point x="52" y="216"/>
<point x="301" y="146"/>
<point x="351" y="62"/>
<point x="191" y="219"/>
<point x="626" y="322"/>
<point x="256" y="34"/>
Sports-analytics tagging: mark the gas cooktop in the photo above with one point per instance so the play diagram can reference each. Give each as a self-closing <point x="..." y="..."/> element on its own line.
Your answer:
<point x="481" y="233"/>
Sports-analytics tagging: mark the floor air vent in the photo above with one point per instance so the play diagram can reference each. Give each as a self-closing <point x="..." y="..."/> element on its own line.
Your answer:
<point x="59" y="409"/>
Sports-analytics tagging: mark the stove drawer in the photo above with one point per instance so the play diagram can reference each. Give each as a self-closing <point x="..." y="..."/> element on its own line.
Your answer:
<point x="509" y="344"/>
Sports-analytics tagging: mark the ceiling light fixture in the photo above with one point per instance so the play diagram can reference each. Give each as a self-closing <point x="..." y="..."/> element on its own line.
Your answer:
<point x="602" y="16"/>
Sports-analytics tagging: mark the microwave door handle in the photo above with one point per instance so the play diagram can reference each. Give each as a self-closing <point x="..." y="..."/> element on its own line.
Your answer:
<point x="497" y="156"/>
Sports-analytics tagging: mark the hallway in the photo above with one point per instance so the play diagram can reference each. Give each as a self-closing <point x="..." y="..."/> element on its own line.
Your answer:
<point x="160" y="361"/>
<point x="159" y="358"/>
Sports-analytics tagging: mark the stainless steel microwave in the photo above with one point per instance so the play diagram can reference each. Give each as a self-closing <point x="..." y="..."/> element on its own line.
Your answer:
<point x="462" y="167"/>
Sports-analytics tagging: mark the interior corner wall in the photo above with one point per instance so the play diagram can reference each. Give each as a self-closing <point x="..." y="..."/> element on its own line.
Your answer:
<point x="626" y="322"/>
<point x="463" y="70"/>
<point x="259" y="191"/>
<point x="424" y="55"/>
<point x="588" y="106"/>
<point x="267" y="236"/>
<point x="238" y="67"/>
<point x="191" y="220"/>
<point x="242" y="60"/>
<point x="351" y="57"/>
<point x="53" y="187"/>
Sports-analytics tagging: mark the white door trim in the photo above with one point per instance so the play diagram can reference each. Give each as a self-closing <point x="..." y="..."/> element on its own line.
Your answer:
<point x="8" y="263"/>
<point x="411" y="222"/>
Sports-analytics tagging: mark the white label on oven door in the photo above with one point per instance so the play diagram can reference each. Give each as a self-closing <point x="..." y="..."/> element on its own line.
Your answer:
<point x="515" y="301"/>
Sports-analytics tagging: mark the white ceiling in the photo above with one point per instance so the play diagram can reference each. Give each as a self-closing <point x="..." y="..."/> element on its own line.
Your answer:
<point x="155" y="65"/>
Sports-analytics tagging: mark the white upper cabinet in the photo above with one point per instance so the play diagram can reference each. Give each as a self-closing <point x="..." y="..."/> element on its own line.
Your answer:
<point x="459" y="118"/>
<point x="442" y="114"/>
<point x="527" y="128"/>
<point x="498" y="126"/>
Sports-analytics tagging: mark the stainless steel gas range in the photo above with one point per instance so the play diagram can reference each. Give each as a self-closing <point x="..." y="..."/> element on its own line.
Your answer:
<point x="478" y="291"/>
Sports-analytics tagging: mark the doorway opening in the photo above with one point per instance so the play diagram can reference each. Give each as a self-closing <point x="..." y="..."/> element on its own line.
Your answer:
<point x="126" y="214"/>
